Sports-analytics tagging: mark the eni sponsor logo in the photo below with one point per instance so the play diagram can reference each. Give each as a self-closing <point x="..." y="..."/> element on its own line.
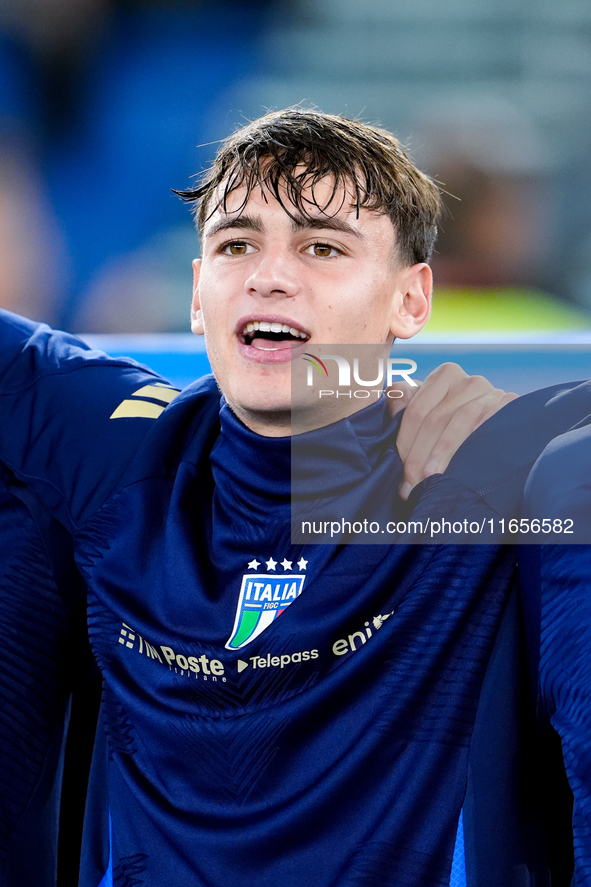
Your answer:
<point x="358" y="638"/>
<point x="201" y="667"/>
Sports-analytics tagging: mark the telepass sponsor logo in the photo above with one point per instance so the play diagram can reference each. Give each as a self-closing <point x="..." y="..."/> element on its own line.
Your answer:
<point x="264" y="597"/>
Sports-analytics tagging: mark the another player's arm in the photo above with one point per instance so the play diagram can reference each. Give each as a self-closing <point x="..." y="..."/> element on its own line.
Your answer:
<point x="556" y="603"/>
<point x="70" y="418"/>
<point x="440" y="414"/>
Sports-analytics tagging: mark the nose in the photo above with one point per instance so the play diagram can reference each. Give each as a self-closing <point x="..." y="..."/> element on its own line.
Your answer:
<point x="273" y="276"/>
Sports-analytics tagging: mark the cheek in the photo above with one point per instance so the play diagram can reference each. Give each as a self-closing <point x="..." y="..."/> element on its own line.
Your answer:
<point x="212" y="307"/>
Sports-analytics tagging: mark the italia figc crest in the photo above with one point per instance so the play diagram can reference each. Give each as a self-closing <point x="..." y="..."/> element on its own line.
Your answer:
<point x="263" y="597"/>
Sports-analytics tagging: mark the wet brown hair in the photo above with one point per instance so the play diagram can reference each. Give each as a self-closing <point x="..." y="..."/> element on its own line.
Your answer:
<point x="288" y="152"/>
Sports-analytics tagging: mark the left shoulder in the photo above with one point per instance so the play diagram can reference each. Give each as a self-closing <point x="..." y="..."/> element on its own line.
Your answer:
<point x="497" y="458"/>
<point x="558" y="488"/>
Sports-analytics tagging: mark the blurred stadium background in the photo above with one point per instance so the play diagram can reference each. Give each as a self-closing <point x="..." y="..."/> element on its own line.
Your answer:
<point x="105" y="105"/>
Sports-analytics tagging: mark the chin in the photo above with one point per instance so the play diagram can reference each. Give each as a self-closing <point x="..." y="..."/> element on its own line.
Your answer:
<point x="260" y="393"/>
<point x="262" y="406"/>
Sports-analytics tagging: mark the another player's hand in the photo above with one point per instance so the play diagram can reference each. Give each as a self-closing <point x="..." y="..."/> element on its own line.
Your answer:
<point x="440" y="414"/>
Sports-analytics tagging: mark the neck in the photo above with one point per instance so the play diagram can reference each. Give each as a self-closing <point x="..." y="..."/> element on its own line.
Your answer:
<point x="265" y="423"/>
<point x="285" y="423"/>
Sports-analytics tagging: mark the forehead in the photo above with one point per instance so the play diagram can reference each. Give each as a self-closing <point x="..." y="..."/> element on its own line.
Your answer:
<point x="321" y="204"/>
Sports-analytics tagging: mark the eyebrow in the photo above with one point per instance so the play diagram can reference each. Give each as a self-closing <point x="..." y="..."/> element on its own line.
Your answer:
<point x="248" y="223"/>
<point x="298" y="223"/>
<point x="332" y="223"/>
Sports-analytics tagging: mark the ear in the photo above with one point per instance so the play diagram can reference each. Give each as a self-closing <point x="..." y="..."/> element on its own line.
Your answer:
<point x="196" y="316"/>
<point x="412" y="303"/>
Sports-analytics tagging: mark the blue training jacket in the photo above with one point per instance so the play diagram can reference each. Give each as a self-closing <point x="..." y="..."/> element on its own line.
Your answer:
<point x="275" y="713"/>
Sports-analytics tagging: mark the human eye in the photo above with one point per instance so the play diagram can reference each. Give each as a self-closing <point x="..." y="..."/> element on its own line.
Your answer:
<point x="236" y="248"/>
<point x="323" y="250"/>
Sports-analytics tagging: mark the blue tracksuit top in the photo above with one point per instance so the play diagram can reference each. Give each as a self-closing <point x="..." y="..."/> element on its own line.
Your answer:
<point x="272" y="713"/>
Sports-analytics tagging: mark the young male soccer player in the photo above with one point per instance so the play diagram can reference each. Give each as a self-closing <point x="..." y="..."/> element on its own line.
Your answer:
<point x="331" y="745"/>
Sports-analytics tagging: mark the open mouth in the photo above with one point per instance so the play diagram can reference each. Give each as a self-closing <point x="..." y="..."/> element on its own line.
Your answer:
<point x="277" y="333"/>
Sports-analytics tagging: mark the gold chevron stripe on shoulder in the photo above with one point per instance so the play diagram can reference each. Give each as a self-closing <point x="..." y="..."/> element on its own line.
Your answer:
<point x="137" y="409"/>
<point x="158" y="392"/>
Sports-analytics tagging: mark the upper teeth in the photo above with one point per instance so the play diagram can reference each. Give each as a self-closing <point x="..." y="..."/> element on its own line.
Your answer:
<point x="266" y="327"/>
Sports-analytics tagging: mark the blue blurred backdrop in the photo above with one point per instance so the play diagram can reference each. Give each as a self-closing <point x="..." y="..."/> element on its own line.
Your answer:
<point x="105" y="105"/>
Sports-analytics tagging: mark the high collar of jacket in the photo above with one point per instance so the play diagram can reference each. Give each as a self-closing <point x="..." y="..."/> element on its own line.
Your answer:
<point x="316" y="464"/>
